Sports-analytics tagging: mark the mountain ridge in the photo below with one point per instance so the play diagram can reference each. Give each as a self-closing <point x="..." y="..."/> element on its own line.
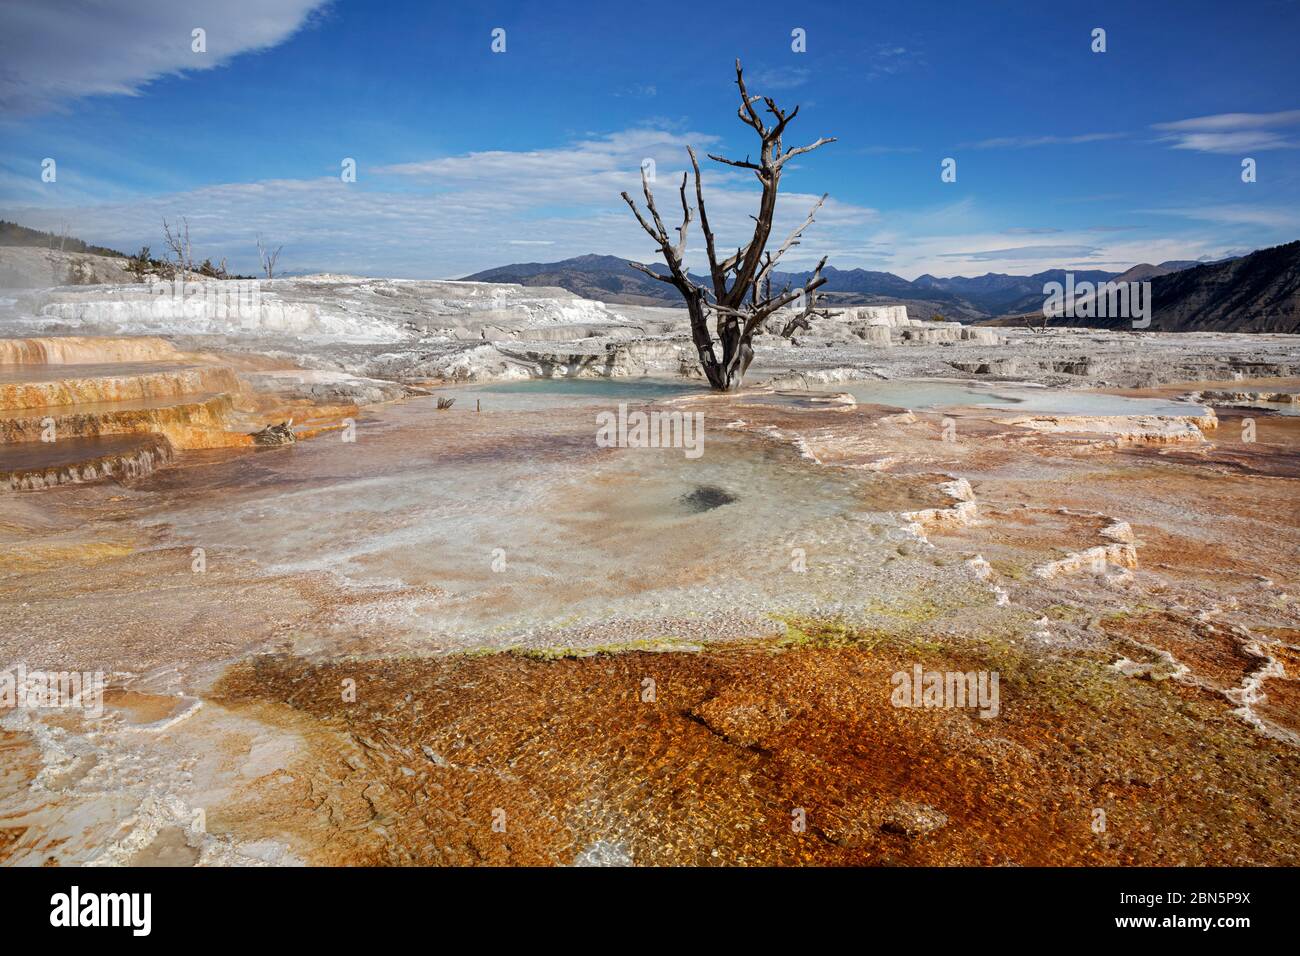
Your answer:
<point x="1258" y="292"/>
<point x="975" y="298"/>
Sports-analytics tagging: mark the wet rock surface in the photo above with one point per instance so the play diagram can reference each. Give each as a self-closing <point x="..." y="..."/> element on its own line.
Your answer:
<point x="32" y="466"/>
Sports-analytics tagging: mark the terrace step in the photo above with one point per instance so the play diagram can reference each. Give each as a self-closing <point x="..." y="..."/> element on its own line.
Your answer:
<point x="30" y="466"/>
<point x="193" y="422"/>
<point x="86" y="349"/>
<point x="45" y="386"/>
<point x="84" y="408"/>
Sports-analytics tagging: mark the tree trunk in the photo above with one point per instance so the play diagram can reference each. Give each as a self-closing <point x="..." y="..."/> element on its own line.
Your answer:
<point x="737" y="349"/>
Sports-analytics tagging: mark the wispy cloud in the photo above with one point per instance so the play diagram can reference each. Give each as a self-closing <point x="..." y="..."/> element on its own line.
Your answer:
<point x="975" y="253"/>
<point x="886" y="150"/>
<point x="641" y="91"/>
<point x="1024" y="252"/>
<point x="1093" y="198"/>
<point x="1245" y="141"/>
<point x="1223" y="122"/>
<point x="1026" y="142"/>
<point x="779" y="78"/>
<point x="1231" y="132"/>
<point x="55" y="53"/>
<point x="1237" y="214"/>
<point x="889" y="59"/>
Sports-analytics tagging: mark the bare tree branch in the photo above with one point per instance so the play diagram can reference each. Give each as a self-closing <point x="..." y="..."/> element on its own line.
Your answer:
<point x="743" y="164"/>
<point x="800" y="150"/>
<point x="640" y="267"/>
<point x="747" y="112"/>
<point x="791" y="241"/>
<point x="179" y="243"/>
<point x="268" y="259"/>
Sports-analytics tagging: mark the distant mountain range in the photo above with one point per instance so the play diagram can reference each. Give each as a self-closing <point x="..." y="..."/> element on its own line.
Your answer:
<point x="980" y="297"/>
<point x="592" y="277"/>
<point x="1259" y="292"/>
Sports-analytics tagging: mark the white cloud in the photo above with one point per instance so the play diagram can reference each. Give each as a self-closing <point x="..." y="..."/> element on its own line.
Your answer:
<point x="1233" y="142"/>
<point x="51" y="53"/>
<point x="454" y="215"/>
<point x="1231" y="132"/>
<point x="1224" y="122"/>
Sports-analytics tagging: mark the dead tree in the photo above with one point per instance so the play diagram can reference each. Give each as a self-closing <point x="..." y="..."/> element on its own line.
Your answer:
<point x="63" y="241"/>
<point x="268" y="259"/>
<point x="741" y="297"/>
<point x="179" y="243"/>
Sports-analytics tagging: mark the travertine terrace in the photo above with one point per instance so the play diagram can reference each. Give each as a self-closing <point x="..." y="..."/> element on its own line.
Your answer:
<point x="361" y="647"/>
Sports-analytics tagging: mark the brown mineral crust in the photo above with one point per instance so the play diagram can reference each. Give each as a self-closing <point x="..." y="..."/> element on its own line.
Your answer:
<point x="1280" y="700"/>
<point x="716" y="768"/>
<point x="1280" y="704"/>
<point x="1212" y="653"/>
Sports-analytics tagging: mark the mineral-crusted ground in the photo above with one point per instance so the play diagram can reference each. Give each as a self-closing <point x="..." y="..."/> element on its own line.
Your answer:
<point x="472" y="635"/>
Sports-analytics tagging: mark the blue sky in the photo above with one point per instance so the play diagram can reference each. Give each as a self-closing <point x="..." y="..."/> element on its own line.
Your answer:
<point x="468" y="158"/>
